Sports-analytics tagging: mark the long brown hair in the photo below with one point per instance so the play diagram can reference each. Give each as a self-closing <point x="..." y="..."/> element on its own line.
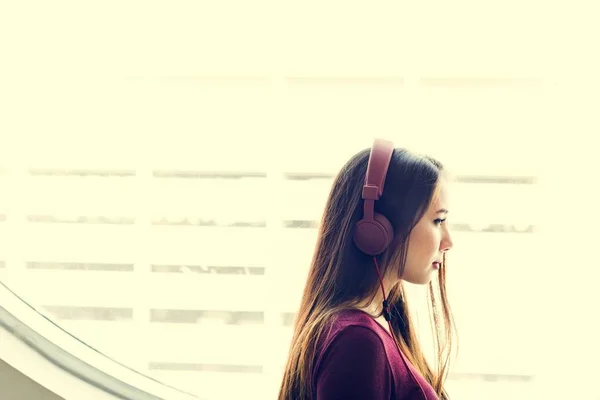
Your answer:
<point x="340" y="276"/>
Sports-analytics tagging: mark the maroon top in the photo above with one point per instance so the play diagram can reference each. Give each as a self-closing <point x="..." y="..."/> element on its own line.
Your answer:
<point x="358" y="359"/>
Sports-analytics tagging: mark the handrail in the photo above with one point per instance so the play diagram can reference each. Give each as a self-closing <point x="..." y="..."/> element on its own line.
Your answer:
<point x="77" y="358"/>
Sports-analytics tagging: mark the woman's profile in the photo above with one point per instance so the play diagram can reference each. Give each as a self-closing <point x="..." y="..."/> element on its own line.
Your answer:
<point x="384" y="223"/>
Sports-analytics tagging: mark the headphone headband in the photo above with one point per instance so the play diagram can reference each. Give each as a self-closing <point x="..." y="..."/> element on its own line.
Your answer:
<point x="379" y="162"/>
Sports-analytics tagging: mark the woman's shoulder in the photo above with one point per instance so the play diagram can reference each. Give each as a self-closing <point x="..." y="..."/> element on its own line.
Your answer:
<point x="352" y="360"/>
<point x="353" y="323"/>
<point x="354" y="345"/>
<point x="349" y="328"/>
<point x="351" y="319"/>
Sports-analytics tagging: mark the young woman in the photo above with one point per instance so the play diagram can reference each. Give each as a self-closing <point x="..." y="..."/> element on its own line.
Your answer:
<point x="384" y="223"/>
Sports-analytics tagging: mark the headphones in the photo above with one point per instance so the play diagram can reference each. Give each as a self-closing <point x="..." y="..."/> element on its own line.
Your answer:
<point x="374" y="232"/>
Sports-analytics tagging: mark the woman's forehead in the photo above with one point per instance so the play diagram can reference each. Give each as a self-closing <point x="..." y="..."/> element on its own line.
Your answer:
<point x="440" y="198"/>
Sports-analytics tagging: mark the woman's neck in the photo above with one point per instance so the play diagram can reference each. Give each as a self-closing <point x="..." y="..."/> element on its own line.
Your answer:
<point x="373" y="308"/>
<point x="375" y="313"/>
<point x="374" y="304"/>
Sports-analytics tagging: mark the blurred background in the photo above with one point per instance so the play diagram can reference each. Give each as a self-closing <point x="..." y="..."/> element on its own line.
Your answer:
<point x="164" y="166"/>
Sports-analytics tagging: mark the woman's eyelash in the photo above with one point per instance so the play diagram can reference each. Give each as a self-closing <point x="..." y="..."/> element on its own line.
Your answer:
<point x="439" y="220"/>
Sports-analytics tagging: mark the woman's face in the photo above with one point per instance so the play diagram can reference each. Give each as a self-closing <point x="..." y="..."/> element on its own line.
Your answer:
<point x="429" y="239"/>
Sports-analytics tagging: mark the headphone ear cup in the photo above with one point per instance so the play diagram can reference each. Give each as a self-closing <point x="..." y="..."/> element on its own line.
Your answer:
<point x="372" y="237"/>
<point x="387" y="227"/>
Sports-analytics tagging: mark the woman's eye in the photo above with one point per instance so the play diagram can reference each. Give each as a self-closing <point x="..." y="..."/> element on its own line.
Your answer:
<point x="439" y="221"/>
